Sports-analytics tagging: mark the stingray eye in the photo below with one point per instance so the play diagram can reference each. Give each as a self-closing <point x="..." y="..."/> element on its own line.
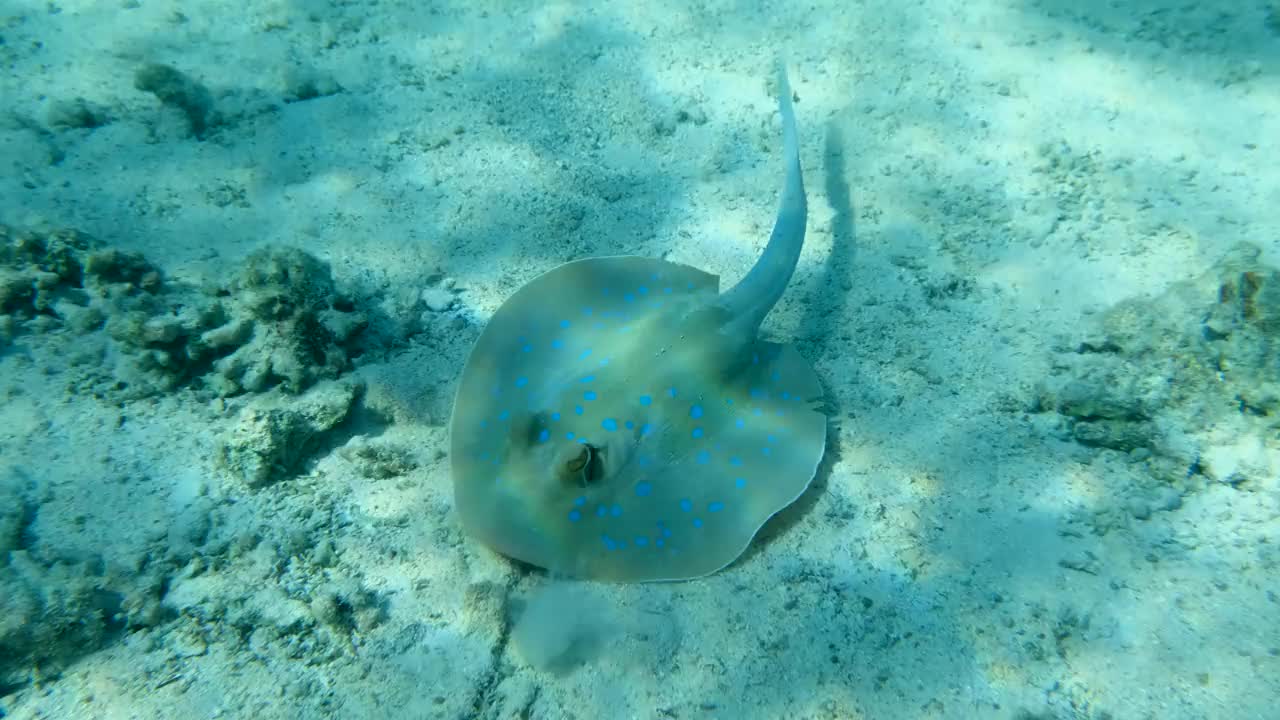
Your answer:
<point x="594" y="471"/>
<point x="576" y="464"/>
<point x="584" y="468"/>
<point x="572" y="463"/>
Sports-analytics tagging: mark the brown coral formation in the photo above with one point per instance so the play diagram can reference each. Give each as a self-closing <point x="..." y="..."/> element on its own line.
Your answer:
<point x="280" y="321"/>
<point x="1205" y="352"/>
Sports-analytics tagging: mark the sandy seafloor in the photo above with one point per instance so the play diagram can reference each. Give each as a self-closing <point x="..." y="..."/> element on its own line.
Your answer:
<point x="1051" y="485"/>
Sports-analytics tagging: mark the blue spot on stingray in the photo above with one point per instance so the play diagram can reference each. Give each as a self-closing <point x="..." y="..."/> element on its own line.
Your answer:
<point x="589" y="395"/>
<point x="756" y="393"/>
<point x="645" y="400"/>
<point x="568" y="435"/>
<point x="527" y="348"/>
<point x="522" y="381"/>
<point x="697" y="433"/>
<point x="564" y="323"/>
<point x="544" y="436"/>
<point x="641" y="541"/>
<point x="671" y="392"/>
<point x="770" y="439"/>
<point x="645" y="429"/>
<point x="609" y="544"/>
<point x="484" y="424"/>
<point x="659" y="542"/>
<point x="704" y="457"/>
<point x="774" y="376"/>
<point x="645" y="461"/>
<point x="616" y="510"/>
<point x="555" y="416"/>
<point x="588" y="378"/>
<point x="580" y="500"/>
<point x="686" y="504"/>
<point x="755" y="359"/>
<point x="716" y="506"/>
<point x="584" y="354"/>
<point x="666" y="532"/>
<point x="697" y="522"/>
<point x="695" y="412"/>
<point x="735" y="460"/>
<point x="757" y="411"/>
<point x="504" y="414"/>
<point x="577" y="410"/>
<point x="609" y="424"/>
<point x="628" y="298"/>
<point x="642" y="290"/>
<point x="557" y="343"/>
<point x="574" y="516"/>
<point x="786" y="396"/>
<point x="628" y="424"/>
<point x="586" y="311"/>
<point x="666" y="291"/>
<point x="643" y="489"/>
<point x="766" y="450"/>
<point x="601" y="511"/>
<point x="604" y="362"/>
<point x="739" y="483"/>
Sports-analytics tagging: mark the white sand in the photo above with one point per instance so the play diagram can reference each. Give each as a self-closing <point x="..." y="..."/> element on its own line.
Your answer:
<point x="1014" y="170"/>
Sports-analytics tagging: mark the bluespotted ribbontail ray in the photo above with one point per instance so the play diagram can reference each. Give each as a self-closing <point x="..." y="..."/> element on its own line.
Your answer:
<point x="619" y="419"/>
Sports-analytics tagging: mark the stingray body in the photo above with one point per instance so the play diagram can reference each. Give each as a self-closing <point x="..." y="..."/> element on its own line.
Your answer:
<point x="619" y="418"/>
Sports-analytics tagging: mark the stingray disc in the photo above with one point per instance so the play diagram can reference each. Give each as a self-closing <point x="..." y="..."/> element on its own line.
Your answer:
<point x="604" y="428"/>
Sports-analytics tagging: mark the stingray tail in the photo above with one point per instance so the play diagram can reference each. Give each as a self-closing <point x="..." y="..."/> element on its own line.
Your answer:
<point x="748" y="302"/>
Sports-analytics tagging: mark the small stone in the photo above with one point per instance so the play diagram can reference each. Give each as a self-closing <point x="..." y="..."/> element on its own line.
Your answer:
<point x="1168" y="500"/>
<point x="1096" y="400"/>
<point x="326" y="607"/>
<point x="1115" y="434"/>
<point x="1140" y="509"/>
<point x="232" y="334"/>
<point x="437" y="299"/>
<point x="324" y="555"/>
<point x="274" y="436"/>
<point x="188" y="644"/>
<point x="76" y="114"/>
<point x="1082" y="561"/>
<point x="161" y="330"/>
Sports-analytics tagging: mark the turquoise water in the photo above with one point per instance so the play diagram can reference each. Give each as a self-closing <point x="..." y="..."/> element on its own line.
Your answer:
<point x="247" y="251"/>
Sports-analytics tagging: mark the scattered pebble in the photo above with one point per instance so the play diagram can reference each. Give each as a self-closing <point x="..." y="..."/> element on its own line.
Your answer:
<point x="438" y="299"/>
